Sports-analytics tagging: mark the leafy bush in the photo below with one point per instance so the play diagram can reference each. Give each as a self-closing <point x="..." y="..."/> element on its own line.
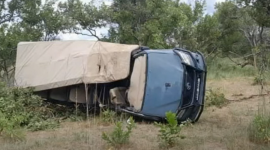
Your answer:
<point x="119" y="136"/>
<point x="20" y="109"/>
<point x="259" y="129"/>
<point x="169" y="133"/>
<point x="17" y="109"/>
<point x="215" y="98"/>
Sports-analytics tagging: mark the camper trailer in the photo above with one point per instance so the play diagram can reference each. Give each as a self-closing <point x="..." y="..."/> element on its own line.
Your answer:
<point x="138" y="80"/>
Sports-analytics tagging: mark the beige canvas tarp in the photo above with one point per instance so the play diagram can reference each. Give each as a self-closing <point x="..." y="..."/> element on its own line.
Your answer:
<point x="47" y="65"/>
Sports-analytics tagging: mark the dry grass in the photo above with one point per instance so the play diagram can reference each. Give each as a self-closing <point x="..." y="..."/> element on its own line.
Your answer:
<point x="218" y="129"/>
<point x="237" y="88"/>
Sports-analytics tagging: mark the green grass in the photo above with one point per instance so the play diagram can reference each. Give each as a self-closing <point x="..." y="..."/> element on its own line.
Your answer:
<point x="259" y="128"/>
<point x="220" y="68"/>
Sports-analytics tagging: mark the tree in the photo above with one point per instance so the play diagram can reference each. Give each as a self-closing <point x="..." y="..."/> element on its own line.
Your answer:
<point x="157" y="24"/>
<point x="26" y="20"/>
<point x="236" y="25"/>
<point x="186" y="31"/>
<point x="208" y="34"/>
<point x="51" y="21"/>
<point x="260" y="10"/>
<point x="242" y="25"/>
<point x="81" y="17"/>
<point x="136" y="22"/>
<point x="9" y="10"/>
<point x="43" y="18"/>
<point x="10" y="37"/>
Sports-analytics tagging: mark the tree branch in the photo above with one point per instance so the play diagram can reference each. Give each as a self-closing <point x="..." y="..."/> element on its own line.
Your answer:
<point x="5" y="18"/>
<point x="261" y="32"/>
<point x="91" y="33"/>
<point x="237" y="63"/>
<point x="211" y="53"/>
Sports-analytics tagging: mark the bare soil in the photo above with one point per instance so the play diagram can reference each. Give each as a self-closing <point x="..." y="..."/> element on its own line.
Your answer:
<point x="218" y="129"/>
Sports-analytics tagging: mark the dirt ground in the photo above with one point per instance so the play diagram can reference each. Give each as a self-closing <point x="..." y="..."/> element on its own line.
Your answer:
<point x="218" y="129"/>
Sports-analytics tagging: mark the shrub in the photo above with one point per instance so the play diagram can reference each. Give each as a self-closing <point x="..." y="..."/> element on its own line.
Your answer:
<point x="119" y="136"/>
<point x="20" y="109"/>
<point x="17" y="109"/>
<point x="259" y="129"/>
<point x="108" y="116"/>
<point x="9" y="129"/>
<point x="215" y="98"/>
<point x="169" y="133"/>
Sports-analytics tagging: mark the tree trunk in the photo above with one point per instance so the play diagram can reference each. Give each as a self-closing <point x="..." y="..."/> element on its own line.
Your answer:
<point x="255" y="61"/>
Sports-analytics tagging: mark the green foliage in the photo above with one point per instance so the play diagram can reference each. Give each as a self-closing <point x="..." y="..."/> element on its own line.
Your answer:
<point x="8" y="8"/>
<point x="20" y="109"/>
<point x="232" y="38"/>
<point x="108" y="116"/>
<point x="259" y="129"/>
<point x="219" y="68"/>
<point x="10" y="133"/>
<point x="39" y="124"/>
<point x="169" y="133"/>
<point x="17" y="109"/>
<point x="35" y="21"/>
<point x="208" y="32"/>
<point x="260" y="11"/>
<point x="157" y="24"/>
<point x="77" y="18"/>
<point x="119" y="136"/>
<point x="215" y="98"/>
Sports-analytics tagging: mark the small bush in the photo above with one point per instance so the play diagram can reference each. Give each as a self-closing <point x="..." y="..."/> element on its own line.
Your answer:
<point x="259" y="129"/>
<point x="108" y="116"/>
<point x="169" y="133"/>
<point x="119" y="136"/>
<point x="215" y="98"/>
<point x="17" y="108"/>
<point x="20" y="109"/>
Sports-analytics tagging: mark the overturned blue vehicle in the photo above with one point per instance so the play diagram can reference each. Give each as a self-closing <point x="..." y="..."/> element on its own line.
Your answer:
<point x="172" y="80"/>
<point x="137" y="80"/>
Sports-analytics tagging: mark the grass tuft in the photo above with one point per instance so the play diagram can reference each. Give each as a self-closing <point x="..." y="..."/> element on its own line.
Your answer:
<point x="108" y="116"/>
<point x="259" y="129"/>
<point x="215" y="98"/>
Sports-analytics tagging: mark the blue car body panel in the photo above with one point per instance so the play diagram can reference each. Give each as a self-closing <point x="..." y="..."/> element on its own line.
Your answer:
<point x="164" y="83"/>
